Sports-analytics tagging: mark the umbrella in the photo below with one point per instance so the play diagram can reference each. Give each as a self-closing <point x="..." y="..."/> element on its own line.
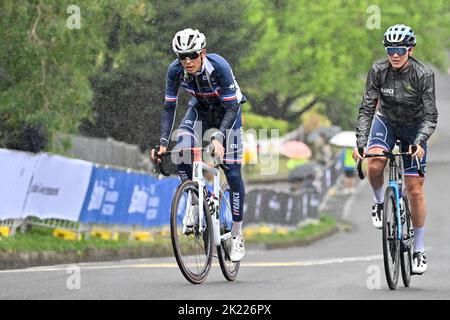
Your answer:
<point x="344" y="139"/>
<point x="301" y="172"/>
<point x="328" y="132"/>
<point x="295" y="150"/>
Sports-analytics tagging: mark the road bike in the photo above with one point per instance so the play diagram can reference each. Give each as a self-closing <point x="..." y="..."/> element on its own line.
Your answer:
<point x="200" y="220"/>
<point x="398" y="231"/>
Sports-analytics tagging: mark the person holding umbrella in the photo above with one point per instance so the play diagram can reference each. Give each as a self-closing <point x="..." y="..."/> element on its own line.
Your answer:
<point x="346" y="140"/>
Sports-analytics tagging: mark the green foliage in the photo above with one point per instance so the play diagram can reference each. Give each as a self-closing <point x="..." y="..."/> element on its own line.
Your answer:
<point x="324" y="48"/>
<point x="312" y="120"/>
<point x="257" y="122"/>
<point x="129" y="90"/>
<point x="45" y="66"/>
<point x="110" y="74"/>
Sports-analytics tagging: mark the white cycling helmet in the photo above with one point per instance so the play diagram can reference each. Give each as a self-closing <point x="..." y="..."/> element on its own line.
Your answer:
<point x="188" y="40"/>
<point x="399" y="35"/>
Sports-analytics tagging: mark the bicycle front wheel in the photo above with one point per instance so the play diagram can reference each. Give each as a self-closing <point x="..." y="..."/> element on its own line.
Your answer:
<point x="192" y="242"/>
<point x="391" y="243"/>
<point x="407" y="242"/>
<point x="229" y="268"/>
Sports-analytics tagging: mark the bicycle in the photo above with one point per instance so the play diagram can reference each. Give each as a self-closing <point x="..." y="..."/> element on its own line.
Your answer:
<point x="397" y="230"/>
<point x="200" y="221"/>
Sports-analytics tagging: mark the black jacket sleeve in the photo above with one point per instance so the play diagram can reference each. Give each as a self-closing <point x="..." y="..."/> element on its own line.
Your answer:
<point x="428" y="125"/>
<point x="367" y="108"/>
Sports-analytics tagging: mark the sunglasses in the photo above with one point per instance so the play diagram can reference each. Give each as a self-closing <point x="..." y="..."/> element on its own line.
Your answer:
<point x="401" y="51"/>
<point x="190" y="55"/>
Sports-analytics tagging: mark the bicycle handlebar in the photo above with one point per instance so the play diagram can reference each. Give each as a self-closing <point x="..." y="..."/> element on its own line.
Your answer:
<point x="158" y="164"/>
<point x="160" y="167"/>
<point x="389" y="154"/>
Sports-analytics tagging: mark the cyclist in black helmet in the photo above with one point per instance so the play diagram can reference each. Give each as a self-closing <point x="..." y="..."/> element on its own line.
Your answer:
<point x="398" y="104"/>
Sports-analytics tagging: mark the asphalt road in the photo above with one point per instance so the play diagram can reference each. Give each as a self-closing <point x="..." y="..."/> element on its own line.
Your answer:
<point x="347" y="265"/>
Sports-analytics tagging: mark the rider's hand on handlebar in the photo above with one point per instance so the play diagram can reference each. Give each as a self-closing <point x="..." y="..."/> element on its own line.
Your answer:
<point x="419" y="151"/>
<point x="357" y="155"/>
<point x="219" y="150"/>
<point x="161" y="151"/>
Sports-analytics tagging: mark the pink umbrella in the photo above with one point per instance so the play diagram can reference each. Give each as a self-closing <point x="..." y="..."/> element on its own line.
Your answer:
<point x="295" y="150"/>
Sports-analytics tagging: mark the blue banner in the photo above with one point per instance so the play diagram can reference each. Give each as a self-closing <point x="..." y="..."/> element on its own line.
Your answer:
<point x="119" y="197"/>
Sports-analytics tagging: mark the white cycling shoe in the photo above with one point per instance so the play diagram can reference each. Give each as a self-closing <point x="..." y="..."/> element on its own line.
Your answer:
<point x="377" y="213"/>
<point x="419" y="263"/>
<point x="237" y="250"/>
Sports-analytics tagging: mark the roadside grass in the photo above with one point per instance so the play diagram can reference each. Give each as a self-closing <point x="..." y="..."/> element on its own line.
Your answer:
<point x="302" y="234"/>
<point x="41" y="239"/>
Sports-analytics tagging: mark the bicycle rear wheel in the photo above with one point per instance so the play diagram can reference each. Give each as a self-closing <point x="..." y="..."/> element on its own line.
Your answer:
<point x="229" y="268"/>
<point x="391" y="243"/>
<point x="192" y="246"/>
<point x="407" y="243"/>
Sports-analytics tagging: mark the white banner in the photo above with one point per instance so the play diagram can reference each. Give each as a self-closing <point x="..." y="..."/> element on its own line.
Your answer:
<point x="58" y="188"/>
<point x="16" y="170"/>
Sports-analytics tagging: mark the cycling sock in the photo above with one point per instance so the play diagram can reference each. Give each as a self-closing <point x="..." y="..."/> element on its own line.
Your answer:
<point x="236" y="229"/>
<point x="378" y="195"/>
<point x="418" y="239"/>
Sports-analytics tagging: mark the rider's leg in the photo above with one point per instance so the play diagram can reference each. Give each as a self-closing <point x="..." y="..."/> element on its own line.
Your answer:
<point x="376" y="174"/>
<point x="415" y="188"/>
<point x="415" y="192"/>
<point x="184" y="160"/>
<point x="233" y="159"/>
<point x="381" y="138"/>
<point x="237" y="196"/>
<point x="189" y="135"/>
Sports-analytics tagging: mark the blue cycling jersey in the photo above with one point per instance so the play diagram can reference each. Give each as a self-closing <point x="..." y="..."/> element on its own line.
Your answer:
<point x="214" y="90"/>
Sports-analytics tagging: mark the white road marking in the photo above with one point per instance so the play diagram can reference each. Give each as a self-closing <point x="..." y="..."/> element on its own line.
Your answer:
<point x="174" y="265"/>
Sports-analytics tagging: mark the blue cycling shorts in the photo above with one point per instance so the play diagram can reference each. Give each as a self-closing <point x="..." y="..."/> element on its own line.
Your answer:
<point x="194" y="125"/>
<point x="384" y="134"/>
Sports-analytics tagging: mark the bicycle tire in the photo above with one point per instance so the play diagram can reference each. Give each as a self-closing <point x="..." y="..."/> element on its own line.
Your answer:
<point x="229" y="269"/>
<point x="391" y="244"/>
<point x="182" y="256"/>
<point x="406" y="253"/>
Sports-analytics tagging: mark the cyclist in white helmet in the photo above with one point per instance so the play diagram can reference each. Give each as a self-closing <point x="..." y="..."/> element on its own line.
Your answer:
<point x="215" y="103"/>
<point x="398" y="104"/>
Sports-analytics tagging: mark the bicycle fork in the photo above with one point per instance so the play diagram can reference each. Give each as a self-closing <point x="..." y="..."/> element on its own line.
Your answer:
<point x="399" y="211"/>
<point x="197" y="176"/>
<point x="394" y="185"/>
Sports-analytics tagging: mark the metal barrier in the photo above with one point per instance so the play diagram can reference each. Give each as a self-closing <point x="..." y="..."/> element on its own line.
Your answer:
<point x="107" y="151"/>
<point x="9" y="227"/>
<point x="261" y="206"/>
<point x="291" y="208"/>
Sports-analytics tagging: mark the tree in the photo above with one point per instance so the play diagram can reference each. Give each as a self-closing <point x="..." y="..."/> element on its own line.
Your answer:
<point x="129" y="90"/>
<point x="305" y="52"/>
<point x="45" y="64"/>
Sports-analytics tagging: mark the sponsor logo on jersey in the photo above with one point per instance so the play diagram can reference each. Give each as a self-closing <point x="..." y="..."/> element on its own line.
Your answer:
<point x="387" y="91"/>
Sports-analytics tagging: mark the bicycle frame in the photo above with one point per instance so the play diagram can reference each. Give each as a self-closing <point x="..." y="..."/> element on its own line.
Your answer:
<point x="398" y="193"/>
<point x="393" y="174"/>
<point x="197" y="176"/>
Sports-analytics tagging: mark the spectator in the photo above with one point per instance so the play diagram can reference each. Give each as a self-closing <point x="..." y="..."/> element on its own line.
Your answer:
<point x="322" y="150"/>
<point x="348" y="165"/>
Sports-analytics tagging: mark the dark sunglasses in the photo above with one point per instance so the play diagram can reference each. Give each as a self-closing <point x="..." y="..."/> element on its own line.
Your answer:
<point x="190" y="55"/>
<point x="401" y="51"/>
